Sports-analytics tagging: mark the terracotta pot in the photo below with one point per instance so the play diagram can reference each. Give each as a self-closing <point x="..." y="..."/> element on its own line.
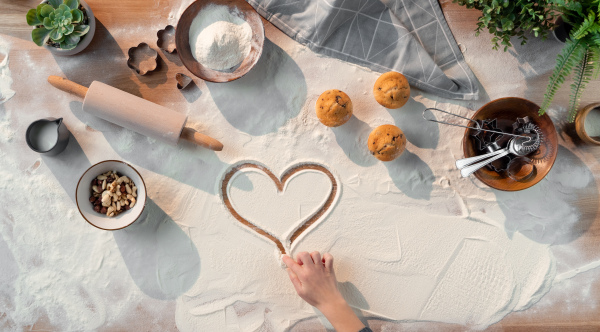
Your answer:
<point x="580" y="124"/>
<point x="85" y="41"/>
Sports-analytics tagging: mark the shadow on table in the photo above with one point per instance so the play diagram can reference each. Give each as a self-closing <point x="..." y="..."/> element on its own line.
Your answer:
<point x="186" y="162"/>
<point x="533" y="66"/>
<point x="352" y="138"/>
<point x="410" y="119"/>
<point x="411" y="175"/>
<point x="68" y="166"/>
<point x="106" y="59"/>
<point x="263" y="100"/>
<point x="557" y="210"/>
<point x="161" y="258"/>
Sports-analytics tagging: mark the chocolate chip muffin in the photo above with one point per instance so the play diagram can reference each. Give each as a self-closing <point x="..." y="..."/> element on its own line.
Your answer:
<point x="334" y="108"/>
<point x="386" y="142"/>
<point x="391" y="90"/>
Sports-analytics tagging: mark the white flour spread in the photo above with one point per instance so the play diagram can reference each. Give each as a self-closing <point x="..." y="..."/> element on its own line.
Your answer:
<point x="412" y="240"/>
<point x="220" y="38"/>
<point x="5" y="80"/>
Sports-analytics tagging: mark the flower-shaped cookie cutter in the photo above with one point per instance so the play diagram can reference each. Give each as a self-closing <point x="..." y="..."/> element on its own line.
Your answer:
<point x="182" y="80"/>
<point x="142" y="58"/>
<point x="166" y="39"/>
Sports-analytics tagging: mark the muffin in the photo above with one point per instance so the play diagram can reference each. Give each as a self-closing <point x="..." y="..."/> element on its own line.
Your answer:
<point x="334" y="108"/>
<point x="386" y="142"/>
<point x="391" y="90"/>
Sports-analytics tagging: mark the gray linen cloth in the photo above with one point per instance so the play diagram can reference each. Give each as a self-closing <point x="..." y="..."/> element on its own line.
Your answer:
<point x="408" y="36"/>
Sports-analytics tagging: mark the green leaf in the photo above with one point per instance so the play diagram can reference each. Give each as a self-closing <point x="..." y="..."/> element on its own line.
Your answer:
<point x="32" y="18"/>
<point x="46" y="11"/>
<point x="55" y="34"/>
<point x="68" y="15"/>
<point x="65" y="46"/>
<point x="48" y="23"/>
<point x="38" y="11"/>
<point x="39" y="35"/>
<point x="55" y="3"/>
<point x="73" y="4"/>
<point x="595" y="59"/>
<point x="70" y="29"/>
<point x="72" y="39"/>
<point x="585" y="26"/>
<point x="64" y="8"/>
<point x="77" y="15"/>
<point x="81" y="30"/>
<point x="583" y="74"/>
<point x="571" y="53"/>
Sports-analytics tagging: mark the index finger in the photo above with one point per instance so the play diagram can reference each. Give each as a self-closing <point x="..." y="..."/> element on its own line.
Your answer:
<point x="291" y="264"/>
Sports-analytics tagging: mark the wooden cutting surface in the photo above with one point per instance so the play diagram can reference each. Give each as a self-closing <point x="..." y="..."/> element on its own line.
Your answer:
<point x="564" y="309"/>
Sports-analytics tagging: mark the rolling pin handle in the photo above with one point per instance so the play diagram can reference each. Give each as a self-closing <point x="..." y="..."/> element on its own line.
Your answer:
<point x="68" y="86"/>
<point x="193" y="136"/>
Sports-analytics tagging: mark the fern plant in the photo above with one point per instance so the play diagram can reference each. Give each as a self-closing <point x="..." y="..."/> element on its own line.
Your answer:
<point x="581" y="54"/>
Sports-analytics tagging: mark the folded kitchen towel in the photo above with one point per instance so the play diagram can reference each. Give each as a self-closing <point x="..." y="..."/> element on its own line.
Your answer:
<point x="408" y="36"/>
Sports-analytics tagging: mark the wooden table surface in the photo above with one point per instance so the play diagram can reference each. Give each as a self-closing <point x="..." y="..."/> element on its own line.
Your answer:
<point x="560" y="309"/>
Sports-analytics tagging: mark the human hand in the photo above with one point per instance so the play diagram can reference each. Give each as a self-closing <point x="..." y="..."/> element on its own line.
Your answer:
<point x="314" y="278"/>
<point x="315" y="282"/>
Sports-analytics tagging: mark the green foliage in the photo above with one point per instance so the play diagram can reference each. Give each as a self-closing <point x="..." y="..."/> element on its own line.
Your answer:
<point x="57" y="20"/>
<point x="582" y="76"/>
<point x="581" y="54"/>
<point x="566" y="60"/>
<point x="507" y="18"/>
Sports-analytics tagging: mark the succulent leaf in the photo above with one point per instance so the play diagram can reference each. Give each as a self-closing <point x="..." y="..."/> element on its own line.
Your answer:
<point x="40" y="35"/>
<point x="73" y="4"/>
<point x="64" y="8"/>
<point x="81" y="30"/>
<point x="55" y="34"/>
<point x="46" y="10"/>
<point x="32" y="18"/>
<point x="38" y="11"/>
<point x="55" y="3"/>
<point x="70" y="29"/>
<point x="72" y="39"/>
<point x="77" y="15"/>
<point x="48" y="23"/>
<point x="68" y="15"/>
<point x="65" y="46"/>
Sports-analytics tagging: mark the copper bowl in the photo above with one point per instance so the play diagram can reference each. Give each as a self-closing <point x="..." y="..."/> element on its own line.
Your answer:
<point x="182" y="41"/>
<point x="507" y="110"/>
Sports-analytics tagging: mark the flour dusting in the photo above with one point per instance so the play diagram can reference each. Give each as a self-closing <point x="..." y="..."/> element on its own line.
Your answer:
<point x="5" y="79"/>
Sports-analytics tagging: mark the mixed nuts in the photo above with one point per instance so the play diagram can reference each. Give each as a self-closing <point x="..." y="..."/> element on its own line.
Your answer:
<point x="112" y="193"/>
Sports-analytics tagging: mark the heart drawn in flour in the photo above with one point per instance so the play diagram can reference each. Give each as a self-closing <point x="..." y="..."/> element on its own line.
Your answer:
<point x="279" y="209"/>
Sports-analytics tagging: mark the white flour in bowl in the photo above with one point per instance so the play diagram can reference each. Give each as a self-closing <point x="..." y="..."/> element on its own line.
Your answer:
<point x="220" y="38"/>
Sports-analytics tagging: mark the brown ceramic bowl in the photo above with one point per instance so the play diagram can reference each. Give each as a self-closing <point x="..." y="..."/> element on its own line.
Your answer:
<point x="182" y="40"/>
<point x="507" y="110"/>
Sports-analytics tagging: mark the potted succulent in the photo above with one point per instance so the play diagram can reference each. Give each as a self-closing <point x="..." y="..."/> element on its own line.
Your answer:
<point x="581" y="53"/>
<point x="64" y="27"/>
<point x="507" y="18"/>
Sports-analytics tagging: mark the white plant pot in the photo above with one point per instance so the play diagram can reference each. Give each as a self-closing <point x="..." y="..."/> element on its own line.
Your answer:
<point x="85" y="41"/>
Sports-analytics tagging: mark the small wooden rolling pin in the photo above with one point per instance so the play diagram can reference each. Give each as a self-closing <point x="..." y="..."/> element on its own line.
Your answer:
<point x="135" y="113"/>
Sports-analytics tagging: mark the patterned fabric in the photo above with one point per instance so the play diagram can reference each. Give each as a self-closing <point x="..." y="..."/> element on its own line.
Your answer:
<point x="408" y="36"/>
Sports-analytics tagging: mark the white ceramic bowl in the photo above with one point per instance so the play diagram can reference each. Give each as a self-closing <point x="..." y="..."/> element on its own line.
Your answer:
<point x="83" y="193"/>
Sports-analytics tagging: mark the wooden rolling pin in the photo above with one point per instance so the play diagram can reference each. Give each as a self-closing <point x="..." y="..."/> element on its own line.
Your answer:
<point x="135" y="113"/>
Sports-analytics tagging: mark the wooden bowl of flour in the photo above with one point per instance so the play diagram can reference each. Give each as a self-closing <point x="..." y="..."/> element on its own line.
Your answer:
<point x="188" y="30"/>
